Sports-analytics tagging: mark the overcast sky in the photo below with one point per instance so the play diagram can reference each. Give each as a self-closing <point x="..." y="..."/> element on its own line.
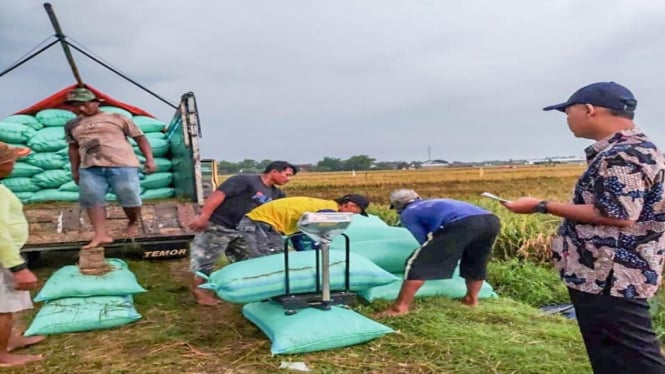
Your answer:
<point x="301" y="80"/>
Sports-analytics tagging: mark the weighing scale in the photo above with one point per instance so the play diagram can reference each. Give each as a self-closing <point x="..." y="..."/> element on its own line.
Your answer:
<point x="321" y="228"/>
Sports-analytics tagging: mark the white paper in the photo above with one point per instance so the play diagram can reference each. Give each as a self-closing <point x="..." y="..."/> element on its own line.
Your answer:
<point x="297" y="366"/>
<point x="493" y="196"/>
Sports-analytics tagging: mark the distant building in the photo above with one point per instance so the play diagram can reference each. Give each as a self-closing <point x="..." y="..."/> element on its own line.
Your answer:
<point x="434" y="164"/>
<point x="557" y="160"/>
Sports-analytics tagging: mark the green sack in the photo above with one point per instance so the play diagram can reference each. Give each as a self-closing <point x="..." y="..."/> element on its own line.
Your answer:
<point x="23" y="169"/>
<point x="25" y="197"/>
<point x="47" y="160"/>
<point x="163" y="164"/>
<point x="454" y="288"/>
<point x="158" y="193"/>
<point x="52" y="178"/>
<point x="50" y="139"/>
<point x="69" y="282"/>
<point x="52" y="194"/>
<point x="155" y="135"/>
<point x="160" y="147"/>
<point x="20" y="184"/>
<point x="15" y="133"/>
<point x="157" y="180"/>
<point x="149" y="124"/>
<point x="24" y="119"/>
<point x="312" y="329"/>
<point x="260" y="278"/>
<point x="387" y="246"/>
<point x="70" y="186"/>
<point x="114" y="109"/>
<point x="54" y="117"/>
<point x="74" y="314"/>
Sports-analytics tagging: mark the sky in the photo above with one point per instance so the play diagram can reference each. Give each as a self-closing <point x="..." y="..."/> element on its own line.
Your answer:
<point x="394" y="80"/>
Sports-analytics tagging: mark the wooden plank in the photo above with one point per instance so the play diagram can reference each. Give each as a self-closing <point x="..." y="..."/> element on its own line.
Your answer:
<point x="41" y="215"/>
<point x="114" y="212"/>
<point x="71" y="219"/>
<point x="150" y="220"/>
<point x="69" y="224"/>
<point x="168" y="216"/>
<point x="186" y="214"/>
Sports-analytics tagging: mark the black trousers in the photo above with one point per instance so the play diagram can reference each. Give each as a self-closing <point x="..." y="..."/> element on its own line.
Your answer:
<point x="618" y="334"/>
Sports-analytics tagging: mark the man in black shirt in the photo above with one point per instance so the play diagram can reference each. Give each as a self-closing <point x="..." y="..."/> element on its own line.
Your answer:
<point x="216" y="224"/>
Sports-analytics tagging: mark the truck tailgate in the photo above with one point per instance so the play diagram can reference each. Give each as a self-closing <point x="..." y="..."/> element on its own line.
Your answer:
<point x="66" y="226"/>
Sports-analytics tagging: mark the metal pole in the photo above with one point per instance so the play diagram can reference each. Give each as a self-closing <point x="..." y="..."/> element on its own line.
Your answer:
<point x="61" y="37"/>
<point x="325" y="274"/>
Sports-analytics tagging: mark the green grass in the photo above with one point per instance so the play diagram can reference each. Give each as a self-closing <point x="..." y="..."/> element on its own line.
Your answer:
<point x="529" y="283"/>
<point x="440" y="336"/>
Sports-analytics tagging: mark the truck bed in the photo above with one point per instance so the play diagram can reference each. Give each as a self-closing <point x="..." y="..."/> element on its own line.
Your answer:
<point x="66" y="226"/>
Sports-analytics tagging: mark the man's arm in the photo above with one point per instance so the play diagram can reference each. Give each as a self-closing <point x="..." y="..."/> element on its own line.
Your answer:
<point x="585" y="213"/>
<point x="146" y="150"/>
<point x="610" y="207"/>
<point x="582" y="213"/>
<point x="74" y="160"/>
<point x="212" y="202"/>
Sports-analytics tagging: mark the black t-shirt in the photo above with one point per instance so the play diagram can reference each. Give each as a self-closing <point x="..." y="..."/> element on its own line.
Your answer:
<point x="243" y="193"/>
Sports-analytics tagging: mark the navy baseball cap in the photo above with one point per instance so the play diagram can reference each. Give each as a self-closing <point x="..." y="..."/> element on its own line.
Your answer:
<point x="360" y="200"/>
<point x="609" y="95"/>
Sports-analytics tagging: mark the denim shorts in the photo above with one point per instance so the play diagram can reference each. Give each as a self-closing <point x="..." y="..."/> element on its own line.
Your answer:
<point x="95" y="182"/>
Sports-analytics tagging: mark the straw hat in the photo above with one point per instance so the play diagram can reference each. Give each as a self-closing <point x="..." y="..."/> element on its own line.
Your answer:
<point x="9" y="153"/>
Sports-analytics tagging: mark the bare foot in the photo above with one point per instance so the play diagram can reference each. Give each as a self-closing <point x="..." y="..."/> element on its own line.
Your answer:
<point x="20" y="341"/>
<point x="132" y="230"/>
<point x="96" y="241"/>
<point x="10" y="360"/>
<point x="470" y="301"/>
<point x="392" y="312"/>
<point x="204" y="297"/>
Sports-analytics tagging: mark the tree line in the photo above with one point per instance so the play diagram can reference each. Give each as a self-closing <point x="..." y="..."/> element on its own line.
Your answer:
<point x="357" y="162"/>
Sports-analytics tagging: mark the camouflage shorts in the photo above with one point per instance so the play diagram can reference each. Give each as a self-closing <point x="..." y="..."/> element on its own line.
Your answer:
<point x="209" y="245"/>
<point x="261" y="238"/>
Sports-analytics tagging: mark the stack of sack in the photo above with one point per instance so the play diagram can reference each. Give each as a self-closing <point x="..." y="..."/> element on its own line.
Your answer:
<point x="45" y="174"/>
<point x="74" y="302"/>
<point x="252" y="281"/>
<point x="389" y="247"/>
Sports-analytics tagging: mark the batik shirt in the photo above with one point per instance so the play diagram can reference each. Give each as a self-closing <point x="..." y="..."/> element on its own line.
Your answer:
<point x="624" y="180"/>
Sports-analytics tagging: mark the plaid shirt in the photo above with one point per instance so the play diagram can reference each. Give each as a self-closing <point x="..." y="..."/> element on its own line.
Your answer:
<point x="624" y="180"/>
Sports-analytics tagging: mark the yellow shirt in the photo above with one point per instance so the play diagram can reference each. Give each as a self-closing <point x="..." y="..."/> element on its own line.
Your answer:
<point x="13" y="229"/>
<point x="283" y="214"/>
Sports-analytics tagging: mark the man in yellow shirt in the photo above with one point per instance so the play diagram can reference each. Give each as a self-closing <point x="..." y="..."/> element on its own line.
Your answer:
<point x="15" y="278"/>
<point x="264" y="227"/>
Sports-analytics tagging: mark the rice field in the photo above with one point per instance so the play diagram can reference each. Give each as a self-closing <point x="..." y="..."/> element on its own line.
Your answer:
<point x="522" y="236"/>
<point x="441" y="336"/>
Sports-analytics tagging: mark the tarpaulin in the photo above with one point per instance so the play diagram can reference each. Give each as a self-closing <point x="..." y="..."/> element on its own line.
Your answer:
<point x="57" y="101"/>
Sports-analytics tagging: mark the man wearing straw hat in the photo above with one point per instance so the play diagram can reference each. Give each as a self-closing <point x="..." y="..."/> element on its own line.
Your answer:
<point x="102" y="157"/>
<point x="15" y="277"/>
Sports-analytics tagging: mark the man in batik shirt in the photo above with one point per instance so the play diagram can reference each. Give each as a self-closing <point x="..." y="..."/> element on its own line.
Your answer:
<point x="609" y="248"/>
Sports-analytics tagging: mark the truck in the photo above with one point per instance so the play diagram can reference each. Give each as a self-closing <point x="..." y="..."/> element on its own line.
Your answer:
<point x="63" y="225"/>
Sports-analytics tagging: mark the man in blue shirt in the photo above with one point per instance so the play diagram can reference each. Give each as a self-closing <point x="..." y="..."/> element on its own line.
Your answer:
<point x="448" y="231"/>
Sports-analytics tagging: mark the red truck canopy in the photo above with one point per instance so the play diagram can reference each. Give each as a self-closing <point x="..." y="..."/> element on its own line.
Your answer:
<point x="57" y="101"/>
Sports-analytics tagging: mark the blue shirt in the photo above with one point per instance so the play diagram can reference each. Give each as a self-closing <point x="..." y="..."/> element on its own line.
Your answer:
<point x="426" y="216"/>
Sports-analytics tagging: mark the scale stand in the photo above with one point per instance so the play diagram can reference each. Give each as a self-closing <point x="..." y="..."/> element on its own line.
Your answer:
<point x="322" y="228"/>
